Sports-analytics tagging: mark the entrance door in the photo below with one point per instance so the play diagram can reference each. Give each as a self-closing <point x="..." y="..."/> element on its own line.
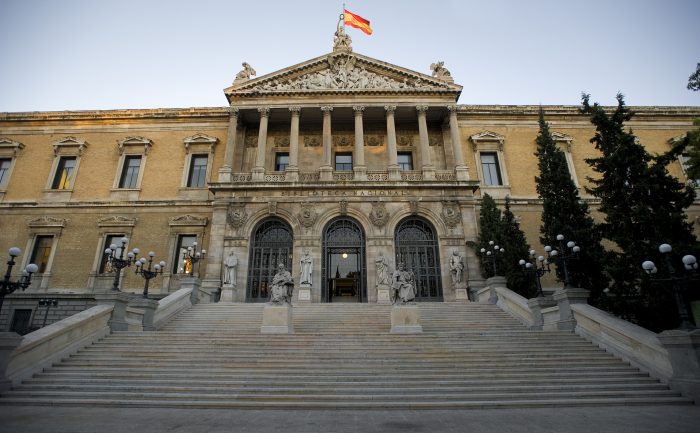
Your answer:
<point x="417" y="247"/>
<point x="271" y="244"/>
<point x="342" y="269"/>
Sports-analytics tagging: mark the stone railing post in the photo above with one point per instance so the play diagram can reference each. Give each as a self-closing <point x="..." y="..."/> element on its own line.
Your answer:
<point x="119" y="300"/>
<point x="149" y="308"/>
<point x="9" y="341"/>
<point x="564" y="299"/>
<point x="194" y="284"/>
<point x="493" y="283"/>
<point x="683" y="348"/>
<point x="536" y="305"/>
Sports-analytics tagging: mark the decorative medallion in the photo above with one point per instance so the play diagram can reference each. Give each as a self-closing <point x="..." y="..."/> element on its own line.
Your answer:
<point x="342" y="140"/>
<point x="414" y="206"/>
<point x="343" y="207"/>
<point x="311" y="141"/>
<point x="251" y="140"/>
<point x="404" y="140"/>
<point x="450" y="213"/>
<point x="378" y="215"/>
<point x="307" y="216"/>
<point x="282" y="141"/>
<point x="272" y="207"/>
<point x="374" y="140"/>
<point x="237" y="215"/>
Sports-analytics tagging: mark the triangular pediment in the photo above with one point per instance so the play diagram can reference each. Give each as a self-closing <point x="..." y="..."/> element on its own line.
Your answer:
<point x="339" y="73"/>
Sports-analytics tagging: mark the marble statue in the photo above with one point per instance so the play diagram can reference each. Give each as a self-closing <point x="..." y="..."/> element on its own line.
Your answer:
<point x="382" y="265"/>
<point x="341" y="39"/>
<point x="456" y="267"/>
<point x="245" y="73"/>
<point x="440" y="71"/>
<point x="307" y="268"/>
<point x="403" y="285"/>
<point x="230" y="266"/>
<point x="282" y="286"/>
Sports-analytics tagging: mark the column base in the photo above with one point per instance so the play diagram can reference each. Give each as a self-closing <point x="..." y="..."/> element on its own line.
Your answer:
<point x="428" y="172"/>
<point x="461" y="172"/>
<point x="258" y="174"/>
<point x="359" y="173"/>
<point x="326" y="173"/>
<point x="292" y="174"/>
<point x="225" y="174"/>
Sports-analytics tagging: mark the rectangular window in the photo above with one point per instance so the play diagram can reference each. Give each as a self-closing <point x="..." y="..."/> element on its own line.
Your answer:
<point x="489" y="166"/>
<point x="20" y="321"/>
<point x="5" y="164"/>
<point x="281" y="161"/>
<point x="41" y="252"/>
<point x="130" y="172"/>
<point x="343" y="161"/>
<point x="109" y="240"/>
<point x="65" y="172"/>
<point x="198" y="172"/>
<point x="405" y="160"/>
<point x="183" y="241"/>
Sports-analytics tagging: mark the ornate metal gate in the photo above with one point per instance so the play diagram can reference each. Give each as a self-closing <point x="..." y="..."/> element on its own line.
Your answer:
<point x="271" y="244"/>
<point x="343" y="237"/>
<point x="416" y="246"/>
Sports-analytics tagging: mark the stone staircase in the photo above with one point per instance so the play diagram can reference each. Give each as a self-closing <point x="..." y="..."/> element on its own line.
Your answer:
<point x="342" y="356"/>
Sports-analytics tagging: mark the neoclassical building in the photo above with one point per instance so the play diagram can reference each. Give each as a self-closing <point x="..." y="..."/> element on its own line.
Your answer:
<point x="359" y="162"/>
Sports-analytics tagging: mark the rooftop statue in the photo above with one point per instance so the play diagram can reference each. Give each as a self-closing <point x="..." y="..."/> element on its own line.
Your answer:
<point x="245" y="73"/>
<point x="440" y="72"/>
<point x="341" y="41"/>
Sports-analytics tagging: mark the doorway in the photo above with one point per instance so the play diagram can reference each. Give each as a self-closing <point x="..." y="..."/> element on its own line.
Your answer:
<point x="343" y="262"/>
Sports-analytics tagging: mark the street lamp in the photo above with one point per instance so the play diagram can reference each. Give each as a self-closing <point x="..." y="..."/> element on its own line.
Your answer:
<point x="490" y="253"/>
<point x="7" y="286"/>
<point x="537" y="267"/>
<point x="678" y="283"/>
<point x="149" y="273"/>
<point x="191" y="256"/>
<point x="563" y="256"/>
<point x="117" y="262"/>
<point x="48" y="303"/>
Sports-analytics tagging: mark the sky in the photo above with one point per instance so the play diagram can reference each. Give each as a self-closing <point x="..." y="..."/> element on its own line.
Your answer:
<point x="109" y="54"/>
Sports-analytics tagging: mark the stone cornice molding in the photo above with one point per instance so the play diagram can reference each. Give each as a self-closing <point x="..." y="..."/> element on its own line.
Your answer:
<point x="188" y="220"/>
<point x="390" y="109"/>
<point x="295" y="109"/>
<point x="70" y="142"/>
<point x="47" y="221"/>
<point x="421" y="108"/>
<point x="116" y="221"/>
<point x="560" y="137"/>
<point x="10" y="146"/>
<point x="264" y="111"/>
<point x="135" y="141"/>
<point x="487" y="137"/>
<point x="200" y="139"/>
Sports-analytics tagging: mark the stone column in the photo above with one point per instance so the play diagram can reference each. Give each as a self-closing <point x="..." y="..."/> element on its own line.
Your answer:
<point x="259" y="169"/>
<point x="215" y="252"/>
<point x="461" y="171"/>
<point x="426" y="163"/>
<point x="393" y="167"/>
<point x="292" y="174"/>
<point x="358" y="166"/>
<point x="327" y="167"/>
<point x="227" y="169"/>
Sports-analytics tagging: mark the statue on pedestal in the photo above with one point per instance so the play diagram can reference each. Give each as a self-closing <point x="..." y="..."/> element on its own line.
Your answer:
<point x="456" y="267"/>
<point x="403" y="285"/>
<point x="230" y="265"/>
<point x="382" y="265"/>
<point x="307" y="268"/>
<point x="282" y="286"/>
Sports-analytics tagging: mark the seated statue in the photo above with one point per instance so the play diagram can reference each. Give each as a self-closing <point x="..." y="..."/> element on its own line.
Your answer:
<point x="282" y="286"/>
<point x="403" y="285"/>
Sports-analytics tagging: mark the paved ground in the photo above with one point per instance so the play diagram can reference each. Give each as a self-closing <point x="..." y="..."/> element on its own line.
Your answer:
<point x="635" y="419"/>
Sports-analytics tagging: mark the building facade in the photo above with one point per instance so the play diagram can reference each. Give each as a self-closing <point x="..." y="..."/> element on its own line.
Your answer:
<point x="345" y="163"/>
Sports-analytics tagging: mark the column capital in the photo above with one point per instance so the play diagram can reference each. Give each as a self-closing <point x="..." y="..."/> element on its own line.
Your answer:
<point x="326" y="109"/>
<point x="233" y="111"/>
<point x="358" y="109"/>
<point x="421" y="108"/>
<point x="390" y="108"/>
<point x="264" y="111"/>
<point x="295" y="109"/>
<point x="452" y="109"/>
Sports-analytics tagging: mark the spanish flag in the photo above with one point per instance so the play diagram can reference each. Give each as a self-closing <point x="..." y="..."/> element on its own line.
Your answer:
<point x="357" y="21"/>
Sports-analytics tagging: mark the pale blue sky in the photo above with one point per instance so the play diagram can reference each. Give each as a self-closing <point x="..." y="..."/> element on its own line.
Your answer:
<point x="105" y="54"/>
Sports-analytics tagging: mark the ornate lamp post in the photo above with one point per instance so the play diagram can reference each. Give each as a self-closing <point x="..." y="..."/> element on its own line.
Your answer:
<point x="117" y="262"/>
<point x="148" y="273"/>
<point x="48" y="303"/>
<point x="564" y="256"/>
<point x="191" y="256"/>
<point x="678" y="283"/>
<point x="7" y="286"/>
<point x="537" y="268"/>
<point x="491" y="254"/>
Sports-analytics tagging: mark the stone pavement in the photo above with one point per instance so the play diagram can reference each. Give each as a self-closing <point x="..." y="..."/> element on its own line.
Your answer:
<point x="613" y="419"/>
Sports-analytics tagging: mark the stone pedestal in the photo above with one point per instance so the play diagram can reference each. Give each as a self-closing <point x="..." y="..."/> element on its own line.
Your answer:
<point x="536" y="305"/>
<point x="225" y="174"/>
<point x="8" y="343"/>
<point x="258" y="174"/>
<point x="383" y="294"/>
<point x="326" y="173"/>
<point x="565" y="298"/>
<point x="117" y="322"/>
<point x="277" y="319"/>
<point x="149" y="307"/>
<point x="226" y="293"/>
<point x="304" y="293"/>
<point x="405" y="319"/>
<point x="461" y="292"/>
<point x="683" y="348"/>
<point x="493" y="283"/>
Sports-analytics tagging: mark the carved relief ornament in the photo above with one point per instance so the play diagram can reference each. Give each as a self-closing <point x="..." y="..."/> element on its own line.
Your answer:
<point x="307" y="215"/>
<point x="116" y="221"/>
<point x="379" y="215"/>
<point x="188" y="220"/>
<point x="237" y="216"/>
<point x="451" y="214"/>
<point x="47" y="221"/>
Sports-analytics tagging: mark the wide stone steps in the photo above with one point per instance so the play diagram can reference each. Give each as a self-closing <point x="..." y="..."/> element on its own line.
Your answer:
<point x="342" y="356"/>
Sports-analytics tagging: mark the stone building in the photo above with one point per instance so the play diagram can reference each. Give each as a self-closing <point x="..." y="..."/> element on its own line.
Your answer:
<point x="359" y="162"/>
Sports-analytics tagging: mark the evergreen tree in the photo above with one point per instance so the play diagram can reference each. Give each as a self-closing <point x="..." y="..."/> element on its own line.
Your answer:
<point x="516" y="247"/>
<point x="692" y="143"/>
<point x="563" y="212"/>
<point x="694" y="79"/>
<point x="489" y="230"/>
<point x="644" y="206"/>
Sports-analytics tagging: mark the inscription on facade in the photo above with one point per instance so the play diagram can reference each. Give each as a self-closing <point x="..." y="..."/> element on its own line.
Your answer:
<point x="345" y="193"/>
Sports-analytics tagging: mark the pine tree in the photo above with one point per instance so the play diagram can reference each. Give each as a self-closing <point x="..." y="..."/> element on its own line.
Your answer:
<point x="563" y="212"/>
<point x="692" y="143"/>
<point x="644" y="206"/>
<point x="516" y="248"/>
<point x="489" y="230"/>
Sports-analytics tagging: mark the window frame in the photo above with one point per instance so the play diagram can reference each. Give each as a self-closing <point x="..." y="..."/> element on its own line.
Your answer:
<point x="201" y="173"/>
<point x="486" y="178"/>
<point x="279" y="166"/>
<point x="69" y="147"/>
<point x="490" y="142"/>
<point x="198" y="144"/>
<point x="410" y="161"/>
<point x="336" y="163"/>
<point x="10" y="150"/>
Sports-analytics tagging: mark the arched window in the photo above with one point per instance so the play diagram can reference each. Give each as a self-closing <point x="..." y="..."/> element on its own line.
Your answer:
<point x="417" y="247"/>
<point x="271" y="244"/>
